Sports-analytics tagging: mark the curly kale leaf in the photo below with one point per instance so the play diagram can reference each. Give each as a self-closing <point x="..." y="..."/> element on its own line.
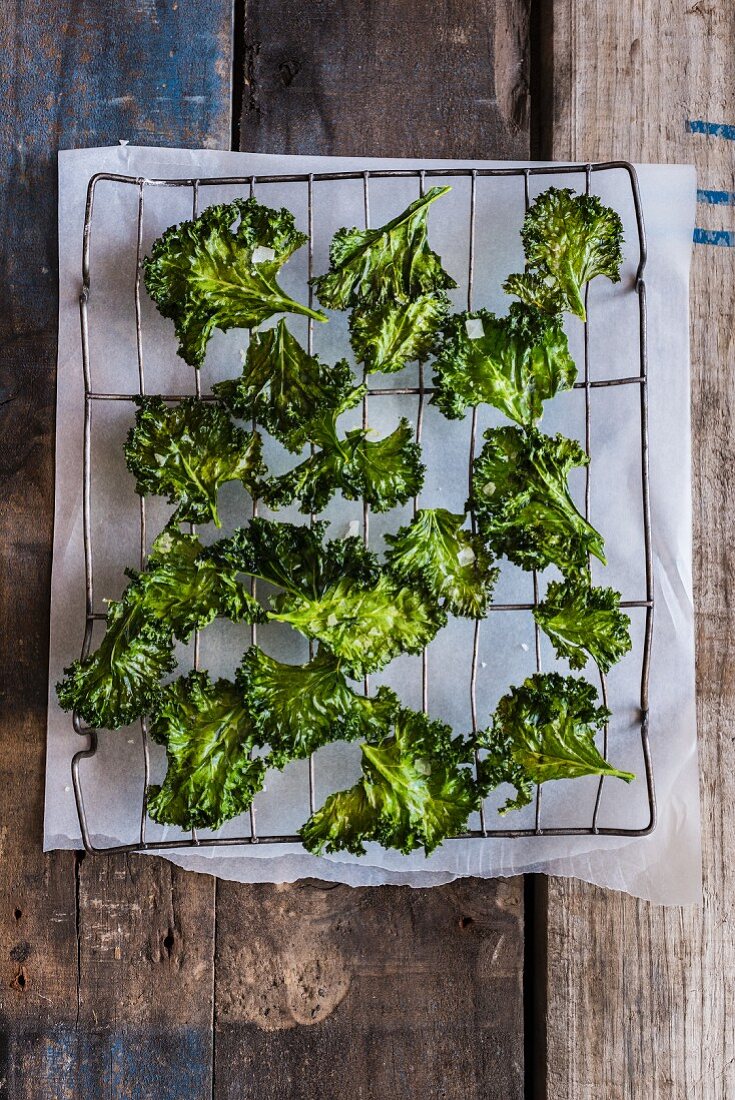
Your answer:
<point x="186" y="589"/>
<point x="180" y="591"/>
<point x="185" y="452"/>
<point x="387" y="471"/>
<point x="522" y="503"/>
<point x="389" y="336"/>
<point x="568" y="240"/>
<point x="544" y="730"/>
<point x="414" y="792"/>
<point x="391" y="264"/>
<point x="284" y="388"/>
<point x="334" y="592"/>
<point x="451" y="563"/>
<point x="582" y="620"/>
<point x="120" y="681"/>
<point x="383" y="472"/>
<point x="298" y="708"/>
<point x="208" y="733"/>
<point x="514" y="363"/>
<point x="364" y="628"/>
<point x="203" y="276"/>
<point x="535" y="292"/>
<point x="295" y="557"/>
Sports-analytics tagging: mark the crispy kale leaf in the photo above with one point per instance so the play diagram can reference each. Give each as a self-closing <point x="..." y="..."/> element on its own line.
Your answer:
<point x="295" y="557"/>
<point x="389" y="336"/>
<point x="185" y="588"/>
<point x="119" y="681"/>
<point x="535" y="292"/>
<point x="516" y="364"/>
<point x="204" y="276"/>
<point x="391" y="264"/>
<point x="414" y="792"/>
<point x="298" y="708"/>
<point x="334" y="592"/>
<point x="209" y="734"/>
<point x="364" y="628"/>
<point x="581" y="619"/>
<point x="544" y="730"/>
<point x="568" y="239"/>
<point x="187" y="451"/>
<point x="284" y="388"/>
<point x="522" y="502"/>
<point x="384" y="472"/>
<point x="451" y="563"/>
<point x="178" y="592"/>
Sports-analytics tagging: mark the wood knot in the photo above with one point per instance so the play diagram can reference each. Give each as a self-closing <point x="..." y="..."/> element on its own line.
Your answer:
<point x="287" y="71"/>
<point x="20" y="981"/>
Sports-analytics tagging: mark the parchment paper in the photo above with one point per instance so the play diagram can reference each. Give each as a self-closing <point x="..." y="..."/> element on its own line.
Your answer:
<point x="665" y="866"/>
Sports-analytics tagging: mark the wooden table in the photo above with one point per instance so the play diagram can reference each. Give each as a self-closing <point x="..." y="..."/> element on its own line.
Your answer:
<point x="124" y="977"/>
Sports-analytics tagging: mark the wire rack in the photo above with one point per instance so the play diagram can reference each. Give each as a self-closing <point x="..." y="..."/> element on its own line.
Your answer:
<point x="638" y="380"/>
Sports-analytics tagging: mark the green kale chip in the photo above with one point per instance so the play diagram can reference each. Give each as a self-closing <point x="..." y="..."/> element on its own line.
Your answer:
<point x="450" y="562"/>
<point x="543" y="730"/>
<point x="522" y="502"/>
<point x="568" y="240"/>
<point x="365" y="628"/>
<point x="120" y="681"/>
<point x="383" y="472"/>
<point x="581" y="619"/>
<point x="203" y="276"/>
<point x="298" y="708"/>
<point x="284" y="388"/>
<point x="185" y="452"/>
<point x="208" y="733"/>
<point x="515" y="363"/>
<point x="184" y="587"/>
<point x="391" y="264"/>
<point x="334" y="592"/>
<point x="414" y="792"/>
<point x="178" y="592"/>
<point x="295" y="557"/>
<point x="389" y="336"/>
<point x="535" y="292"/>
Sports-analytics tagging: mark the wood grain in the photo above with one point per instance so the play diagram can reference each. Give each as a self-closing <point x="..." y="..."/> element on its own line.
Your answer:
<point x="444" y="79"/>
<point x="379" y="992"/>
<point x="370" y="993"/>
<point x="72" y="941"/>
<point x="639" y="998"/>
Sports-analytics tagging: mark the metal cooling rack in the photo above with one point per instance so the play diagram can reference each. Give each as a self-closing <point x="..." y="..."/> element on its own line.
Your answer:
<point x="639" y="380"/>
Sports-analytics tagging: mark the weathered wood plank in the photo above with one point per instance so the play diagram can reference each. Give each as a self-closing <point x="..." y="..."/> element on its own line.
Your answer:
<point x="369" y="993"/>
<point x="639" y="998"/>
<point x="75" y="75"/>
<point x="386" y="79"/>
<point x="376" y="992"/>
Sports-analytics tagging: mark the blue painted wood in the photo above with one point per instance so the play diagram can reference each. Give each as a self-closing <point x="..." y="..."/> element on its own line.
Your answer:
<point x="77" y="1019"/>
<point x="135" y="1063"/>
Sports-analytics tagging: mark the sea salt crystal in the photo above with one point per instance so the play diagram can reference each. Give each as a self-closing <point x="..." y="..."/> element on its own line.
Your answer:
<point x="474" y="328"/>
<point x="261" y="254"/>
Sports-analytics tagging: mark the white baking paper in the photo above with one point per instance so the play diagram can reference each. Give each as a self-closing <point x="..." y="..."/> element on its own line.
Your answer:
<point x="664" y="866"/>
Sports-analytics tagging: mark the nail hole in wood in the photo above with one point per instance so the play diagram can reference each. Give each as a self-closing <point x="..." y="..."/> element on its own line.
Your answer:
<point x="287" y="70"/>
<point x="466" y="922"/>
<point x="18" y="913"/>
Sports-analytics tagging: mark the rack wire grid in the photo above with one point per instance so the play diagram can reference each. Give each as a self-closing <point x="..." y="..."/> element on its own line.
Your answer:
<point x="640" y="380"/>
